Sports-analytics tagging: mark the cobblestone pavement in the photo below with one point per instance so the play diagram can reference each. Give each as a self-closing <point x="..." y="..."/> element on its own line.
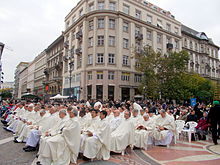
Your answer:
<point x="195" y="153"/>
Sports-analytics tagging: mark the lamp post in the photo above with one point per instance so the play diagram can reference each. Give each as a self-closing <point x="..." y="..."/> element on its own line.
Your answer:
<point x="71" y="64"/>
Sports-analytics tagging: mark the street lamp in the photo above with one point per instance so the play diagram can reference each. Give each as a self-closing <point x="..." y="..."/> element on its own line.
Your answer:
<point x="71" y="65"/>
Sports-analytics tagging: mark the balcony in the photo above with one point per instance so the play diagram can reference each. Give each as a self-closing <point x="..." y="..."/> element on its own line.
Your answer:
<point x="46" y="72"/>
<point x="139" y="36"/>
<point x="79" y="51"/>
<point x="79" y="35"/>
<point x="169" y="46"/>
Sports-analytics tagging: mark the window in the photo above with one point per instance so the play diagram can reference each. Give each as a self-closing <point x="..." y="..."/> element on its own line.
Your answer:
<point x="149" y="19"/>
<point x="176" y="44"/>
<point x="89" y="75"/>
<point x="125" y="76"/>
<point x="168" y="28"/>
<point x="74" y="19"/>
<point x="100" y="58"/>
<point x="111" y="58"/>
<point x="125" y="60"/>
<point x="111" y="24"/>
<point x="91" y="25"/>
<point x="185" y="42"/>
<point x="137" y="30"/>
<point x="196" y="46"/>
<point x="90" y="59"/>
<point x="101" y="5"/>
<point x="90" y="41"/>
<point x="191" y="45"/>
<point x="111" y="40"/>
<point x="138" y="14"/>
<point x="100" y="40"/>
<point x="67" y="24"/>
<point x="80" y="12"/>
<point x="149" y="35"/>
<point x="176" y="30"/>
<point x="111" y="75"/>
<point x="159" y="38"/>
<point x="91" y="7"/>
<point x="126" y="9"/>
<point x="159" y="24"/>
<point x="99" y="75"/>
<point x="112" y="6"/>
<point x="125" y="27"/>
<point x="101" y="23"/>
<point x="125" y="43"/>
<point x="137" y="78"/>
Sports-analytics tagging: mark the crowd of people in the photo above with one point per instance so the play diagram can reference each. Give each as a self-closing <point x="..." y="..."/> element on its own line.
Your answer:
<point x="63" y="132"/>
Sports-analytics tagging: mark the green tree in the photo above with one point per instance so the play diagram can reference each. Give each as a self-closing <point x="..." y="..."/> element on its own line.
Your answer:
<point x="148" y="61"/>
<point x="6" y="93"/>
<point x="168" y="77"/>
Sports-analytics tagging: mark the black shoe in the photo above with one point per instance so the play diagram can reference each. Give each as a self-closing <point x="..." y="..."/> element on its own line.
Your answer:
<point x="38" y="163"/>
<point x="24" y="148"/>
<point x="85" y="158"/>
<point x="216" y="143"/>
<point x="4" y="122"/>
<point x="30" y="149"/>
<point x="16" y="141"/>
<point x="5" y="128"/>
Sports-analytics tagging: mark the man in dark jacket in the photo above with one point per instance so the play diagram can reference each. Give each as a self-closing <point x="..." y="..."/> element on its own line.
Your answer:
<point x="214" y="120"/>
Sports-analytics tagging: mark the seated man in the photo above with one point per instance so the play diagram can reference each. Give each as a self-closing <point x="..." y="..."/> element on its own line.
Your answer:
<point x="123" y="136"/>
<point x="202" y="127"/>
<point x="47" y="123"/>
<point x="164" y="128"/>
<point x="116" y="121"/>
<point x="62" y="148"/>
<point x="142" y="132"/>
<point x="97" y="144"/>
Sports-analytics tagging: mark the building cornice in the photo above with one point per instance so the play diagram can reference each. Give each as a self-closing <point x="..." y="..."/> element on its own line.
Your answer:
<point x="118" y="14"/>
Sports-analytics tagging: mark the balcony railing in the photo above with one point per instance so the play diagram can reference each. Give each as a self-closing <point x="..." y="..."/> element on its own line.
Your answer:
<point x="139" y="36"/>
<point x="79" y="35"/>
<point x="79" y="51"/>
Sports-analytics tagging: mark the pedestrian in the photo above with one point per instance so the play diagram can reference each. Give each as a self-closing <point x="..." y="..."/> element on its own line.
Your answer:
<point x="214" y="120"/>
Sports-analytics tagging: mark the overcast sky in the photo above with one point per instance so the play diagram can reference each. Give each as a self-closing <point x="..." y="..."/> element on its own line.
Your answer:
<point x="29" y="26"/>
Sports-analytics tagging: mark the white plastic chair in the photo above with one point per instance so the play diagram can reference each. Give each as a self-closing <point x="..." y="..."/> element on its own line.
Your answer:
<point x="179" y="127"/>
<point x="191" y="130"/>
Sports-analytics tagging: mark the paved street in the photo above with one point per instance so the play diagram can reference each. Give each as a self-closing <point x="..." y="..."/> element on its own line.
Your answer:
<point x="195" y="153"/>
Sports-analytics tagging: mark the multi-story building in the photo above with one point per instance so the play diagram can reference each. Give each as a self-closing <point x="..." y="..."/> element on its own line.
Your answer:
<point x="7" y="85"/>
<point x="54" y="67"/>
<point x="203" y="52"/>
<point x="22" y="89"/>
<point x="99" y="41"/>
<point x="18" y="70"/>
<point x="30" y="77"/>
<point x="39" y="76"/>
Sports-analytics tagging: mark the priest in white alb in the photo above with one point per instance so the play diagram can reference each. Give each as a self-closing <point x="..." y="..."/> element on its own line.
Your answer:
<point x="164" y="129"/>
<point x="97" y="144"/>
<point x="62" y="148"/>
<point x="123" y="136"/>
<point x="142" y="132"/>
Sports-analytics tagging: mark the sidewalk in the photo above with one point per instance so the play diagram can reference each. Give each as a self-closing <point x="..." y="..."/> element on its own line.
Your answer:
<point x="182" y="153"/>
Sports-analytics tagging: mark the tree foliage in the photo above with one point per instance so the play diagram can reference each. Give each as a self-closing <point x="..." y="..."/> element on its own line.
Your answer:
<point x="6" y="93"/>
<point x="166" y="76"/>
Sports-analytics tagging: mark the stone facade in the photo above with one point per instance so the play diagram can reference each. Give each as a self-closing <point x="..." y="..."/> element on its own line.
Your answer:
<point x="100" y="38"/>
<point x="18" y="70"/>
<point x="54" y="67"/>
<point x="39" y="76"/>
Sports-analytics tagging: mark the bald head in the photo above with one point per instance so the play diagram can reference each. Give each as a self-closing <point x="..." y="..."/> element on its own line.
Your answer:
<point x="116" y="113"/>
